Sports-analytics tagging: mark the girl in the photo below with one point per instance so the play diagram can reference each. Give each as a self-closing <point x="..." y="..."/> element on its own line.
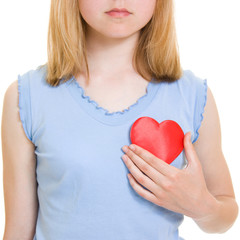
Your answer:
<point x="66" y="154"/>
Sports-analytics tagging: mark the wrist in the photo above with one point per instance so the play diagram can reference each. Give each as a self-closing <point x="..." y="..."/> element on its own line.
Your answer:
<point x="208" y="208"/>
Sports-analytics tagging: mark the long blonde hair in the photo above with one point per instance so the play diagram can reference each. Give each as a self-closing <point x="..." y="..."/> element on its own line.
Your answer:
<point x="156" y="53"/>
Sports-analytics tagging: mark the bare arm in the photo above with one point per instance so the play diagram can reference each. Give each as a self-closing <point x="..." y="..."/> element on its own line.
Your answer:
<point x="19" y="179"/>
<point x="215" y="169"/>
<point x="202" y="190"/>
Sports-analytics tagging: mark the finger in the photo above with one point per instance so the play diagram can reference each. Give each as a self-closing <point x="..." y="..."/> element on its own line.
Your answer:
<point x="139" y="176"/>
<point x="190" y="152"/>
<point x="142" y="192"/>
<point x="151" y="172"/>
<point x="152" y="160"/>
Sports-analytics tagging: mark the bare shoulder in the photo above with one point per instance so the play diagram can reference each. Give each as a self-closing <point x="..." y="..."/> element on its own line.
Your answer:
<point x="210" y="127"/>
<point x="11" y="122"/>
<point x="19" y="178"/>
<point x="11" y="91"/>
<point x="209" y="150"/>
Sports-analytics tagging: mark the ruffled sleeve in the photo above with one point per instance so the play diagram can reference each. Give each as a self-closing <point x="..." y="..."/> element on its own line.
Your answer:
<point x="25" y="104"/>
<point x="200" y="103"/>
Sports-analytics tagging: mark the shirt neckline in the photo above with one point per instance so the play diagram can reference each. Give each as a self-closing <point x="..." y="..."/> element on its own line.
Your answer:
<point x="101" y="114"/>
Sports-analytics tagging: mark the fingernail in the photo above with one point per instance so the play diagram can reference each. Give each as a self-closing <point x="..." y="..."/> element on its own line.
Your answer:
<point x="124" y="148"/>
<point x="132" y="147"/>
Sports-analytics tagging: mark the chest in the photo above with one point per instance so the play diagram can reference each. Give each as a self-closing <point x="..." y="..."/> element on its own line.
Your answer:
<point x="115" y="96"/>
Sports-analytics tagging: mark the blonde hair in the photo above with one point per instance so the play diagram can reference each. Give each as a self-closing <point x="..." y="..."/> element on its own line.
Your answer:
<point x="156" y="53"/>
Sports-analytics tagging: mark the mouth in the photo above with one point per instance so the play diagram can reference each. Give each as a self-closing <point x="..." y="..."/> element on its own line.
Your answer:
<point x="118" y="12"/>
<point x="123" y="10"/>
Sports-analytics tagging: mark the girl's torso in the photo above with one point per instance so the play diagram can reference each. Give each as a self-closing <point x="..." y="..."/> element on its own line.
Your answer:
<point x="83" y="189"/>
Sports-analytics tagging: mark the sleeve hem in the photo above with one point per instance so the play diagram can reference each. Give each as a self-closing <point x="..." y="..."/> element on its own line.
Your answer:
<point x="202" y="109"/>
<point x="22" y="112"/>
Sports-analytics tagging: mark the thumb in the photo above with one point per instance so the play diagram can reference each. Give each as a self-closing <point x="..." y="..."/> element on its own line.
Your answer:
<point x="190" y="152"/>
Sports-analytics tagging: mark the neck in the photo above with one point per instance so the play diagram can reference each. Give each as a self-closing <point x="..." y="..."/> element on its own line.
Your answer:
<point x="109" y="56"/>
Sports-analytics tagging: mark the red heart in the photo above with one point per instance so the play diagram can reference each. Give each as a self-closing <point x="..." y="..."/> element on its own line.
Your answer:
<point x="164" y="140"/>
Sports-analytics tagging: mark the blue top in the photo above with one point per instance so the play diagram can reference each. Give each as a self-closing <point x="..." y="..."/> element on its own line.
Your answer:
<point x="83" y="189"/>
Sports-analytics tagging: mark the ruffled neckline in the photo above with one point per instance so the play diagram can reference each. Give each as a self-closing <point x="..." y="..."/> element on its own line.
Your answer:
<point x="104" y="116"/>
<point x="105" y="111"/>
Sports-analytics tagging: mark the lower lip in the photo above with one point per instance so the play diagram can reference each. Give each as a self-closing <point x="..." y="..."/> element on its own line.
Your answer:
<point x="118" y="14"/>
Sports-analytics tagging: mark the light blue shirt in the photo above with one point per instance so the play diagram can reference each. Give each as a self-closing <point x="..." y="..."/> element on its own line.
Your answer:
<point x="83" y="189"/>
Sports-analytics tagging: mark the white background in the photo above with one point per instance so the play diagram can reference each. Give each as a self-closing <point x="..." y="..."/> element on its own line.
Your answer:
<point x="209" y="39"/>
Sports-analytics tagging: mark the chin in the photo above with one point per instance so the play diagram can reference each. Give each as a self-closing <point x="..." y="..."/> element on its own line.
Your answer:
<point x="116" y="33"/>
<point x="118" y="36"/>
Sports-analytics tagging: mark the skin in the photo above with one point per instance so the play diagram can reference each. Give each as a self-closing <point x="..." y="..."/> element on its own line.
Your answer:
<point x="203" y="190"/>
<point x="19" y="176"/>
<point x="108" y="39"/>
<point x="113" y="41"/>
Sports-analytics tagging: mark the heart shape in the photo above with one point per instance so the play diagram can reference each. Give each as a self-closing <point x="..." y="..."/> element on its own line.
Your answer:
<point x="164" y="140"/>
